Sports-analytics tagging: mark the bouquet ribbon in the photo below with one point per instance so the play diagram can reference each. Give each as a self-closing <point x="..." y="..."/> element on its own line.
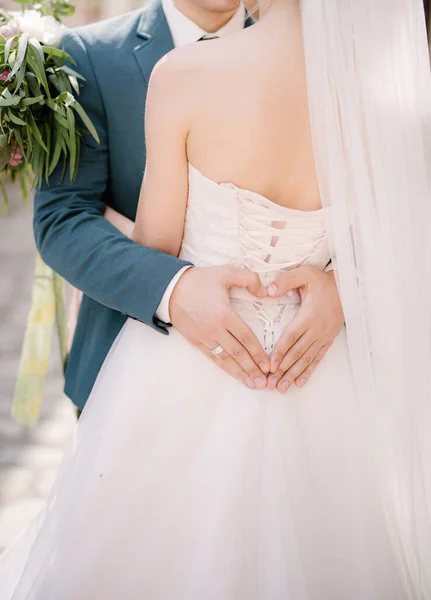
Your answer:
<point x="47" y="309"/>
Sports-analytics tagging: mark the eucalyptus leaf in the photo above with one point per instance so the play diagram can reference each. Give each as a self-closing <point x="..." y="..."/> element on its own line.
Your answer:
<point x="20" y="143"/>
<point x="24" y="186"/>
<point x="7" y="49"/>
<point x="37" y="66"/>
<point x="70" y="71"/>
<point x="36" y="132"/>
<point x="57" y="152"/>
<point x="22" y="49"/>
<point x="53" y="51"/>
<point x="66" y="98"/>
<point x="53" y="80"/>
<point x="85" y="119"/>
<point x="14" y="101"/>
<point x="53" y="105"/>
<point x="47" y="138"/>
<point x="62" y="121"/>
<point x="72" y="142"/>
<point x="16" y="119"/>
<point x="38" y="48"/>
<point x="20" y="76"/>
<point x="31" y="101"/>
<point x="5" y="154"/>
<point x="33" y="83"/>
<point x="74" y="84"/>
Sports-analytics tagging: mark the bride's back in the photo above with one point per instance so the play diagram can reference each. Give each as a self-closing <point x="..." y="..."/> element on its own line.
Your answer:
<point x="249" y="120"/>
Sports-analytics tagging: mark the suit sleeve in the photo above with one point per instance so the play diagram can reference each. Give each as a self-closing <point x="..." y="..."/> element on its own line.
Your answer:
<point x="75" y="239"/>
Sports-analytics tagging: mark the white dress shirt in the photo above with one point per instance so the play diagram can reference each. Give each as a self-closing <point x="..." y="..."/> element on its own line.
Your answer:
<point x="184" y="31"/>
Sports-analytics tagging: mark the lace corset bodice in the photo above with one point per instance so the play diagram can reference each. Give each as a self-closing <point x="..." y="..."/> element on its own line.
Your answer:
<point x="228" y="225"/>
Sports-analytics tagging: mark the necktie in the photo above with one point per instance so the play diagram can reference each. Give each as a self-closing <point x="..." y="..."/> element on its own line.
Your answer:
<point x="208" y="36"/>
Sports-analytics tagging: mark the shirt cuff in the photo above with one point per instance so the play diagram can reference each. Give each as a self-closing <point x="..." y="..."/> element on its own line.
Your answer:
<point x="162" y="313"/>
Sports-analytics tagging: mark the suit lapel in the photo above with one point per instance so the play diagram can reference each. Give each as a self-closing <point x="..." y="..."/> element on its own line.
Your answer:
<point x="155" y="39"/>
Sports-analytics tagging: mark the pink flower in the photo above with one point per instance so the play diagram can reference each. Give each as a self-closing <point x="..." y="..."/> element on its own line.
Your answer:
<point x="16" y="158"/>
<point x="4" y="75"/>
<point x="8" y="31"/>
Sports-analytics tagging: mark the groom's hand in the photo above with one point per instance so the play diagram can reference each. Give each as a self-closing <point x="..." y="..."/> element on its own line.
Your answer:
<point x="200" y="310"/>
<point x="311" y="333"/>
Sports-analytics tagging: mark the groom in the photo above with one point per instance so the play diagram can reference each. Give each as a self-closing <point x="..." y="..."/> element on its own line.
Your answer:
<point x="120" y="278"/>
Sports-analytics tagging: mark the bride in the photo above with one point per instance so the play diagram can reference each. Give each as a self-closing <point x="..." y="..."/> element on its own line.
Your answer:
<point x="303" y="138"/>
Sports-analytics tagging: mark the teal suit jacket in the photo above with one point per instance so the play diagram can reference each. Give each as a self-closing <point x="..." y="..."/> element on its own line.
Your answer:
<point x="118" y="277"/>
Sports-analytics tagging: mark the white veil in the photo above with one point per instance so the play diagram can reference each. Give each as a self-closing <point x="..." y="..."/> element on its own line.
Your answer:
<point x="370" y="102"/>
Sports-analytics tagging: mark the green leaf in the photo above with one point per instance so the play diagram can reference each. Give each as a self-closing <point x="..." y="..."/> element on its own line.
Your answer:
<point x="22" y="49"/>
<point x="30" y="101"/>
<point x="5" y="154"/>
<point x="23" y="185"/>
<point x="70" y="71"/>
<point x="20" y="143"/>
<point x="35" y="130"/>
<point x="7" y="48"/>
<point x="29" y="140"/>
<point x="20" y="76"/>
<point x="53" y="105"/>
<point x="14" y="101"/>
<point x="53" y="51"/>
<point x="74" y="84"/>
<point x="37" y="65"/>
<point x="85" y="119"/>
<point x="62" y="121"/>
<point x="35" y="161"/>
<point x="16" y="119"/>
<point x="72" y="142"/>
<point x="63" y="84"/>
<point x="38" y="48"/>
<point x="47" y="136"/>
<point x="57" y="152"/>
<point x="33" y="83"/>
<point x="66" y="98"/>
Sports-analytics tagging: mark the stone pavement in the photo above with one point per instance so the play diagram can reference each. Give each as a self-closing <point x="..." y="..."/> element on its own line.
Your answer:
<point x="29" y="458"/>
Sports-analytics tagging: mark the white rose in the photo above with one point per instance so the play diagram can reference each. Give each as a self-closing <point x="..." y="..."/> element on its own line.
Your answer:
<point x="46" y="30"/>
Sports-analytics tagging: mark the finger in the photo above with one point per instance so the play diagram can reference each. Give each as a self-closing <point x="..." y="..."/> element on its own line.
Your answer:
<point x="287" y="281"/>
<point x="291" y="334"/>
<point x="305" y="375"/>
<point x="240" y="355"/>
<point x="228" y="364"/>
<point x="245" y="336"/>
<point x="298" y="350"/>
<point x="244" y="278"/>
<point x="300" y="365"/>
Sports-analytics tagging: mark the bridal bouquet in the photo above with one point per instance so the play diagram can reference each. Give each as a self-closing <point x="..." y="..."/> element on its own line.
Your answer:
<point x="38" y="96"/>
<point x="41" y="124"/>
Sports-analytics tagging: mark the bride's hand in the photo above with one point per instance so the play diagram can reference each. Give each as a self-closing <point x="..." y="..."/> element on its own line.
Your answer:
<point x="200" y="310"/>
<point x="311" y="333"/>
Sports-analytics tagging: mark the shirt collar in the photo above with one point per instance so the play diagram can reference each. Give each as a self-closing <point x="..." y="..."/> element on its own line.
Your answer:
<point x="185" y="31"/>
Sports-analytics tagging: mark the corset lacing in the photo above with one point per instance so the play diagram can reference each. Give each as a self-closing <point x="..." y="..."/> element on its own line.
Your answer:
<point x="267" y="234"/>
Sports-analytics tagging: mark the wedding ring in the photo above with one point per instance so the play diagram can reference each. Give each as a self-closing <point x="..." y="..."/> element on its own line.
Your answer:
<point x="217" y="350"/>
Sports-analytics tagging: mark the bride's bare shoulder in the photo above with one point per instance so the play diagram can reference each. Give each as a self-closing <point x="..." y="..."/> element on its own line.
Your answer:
<point x="185" y="66"/>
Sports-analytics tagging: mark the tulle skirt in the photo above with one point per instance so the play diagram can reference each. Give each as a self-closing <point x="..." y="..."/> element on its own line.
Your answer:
<point x="182" y="484"/>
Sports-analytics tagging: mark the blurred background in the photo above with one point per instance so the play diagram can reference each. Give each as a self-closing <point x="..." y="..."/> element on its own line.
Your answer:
<point x="29" y="458"/>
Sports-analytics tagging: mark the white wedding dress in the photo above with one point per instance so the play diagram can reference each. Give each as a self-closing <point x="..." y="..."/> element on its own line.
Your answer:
<point x="182" y="484"/>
